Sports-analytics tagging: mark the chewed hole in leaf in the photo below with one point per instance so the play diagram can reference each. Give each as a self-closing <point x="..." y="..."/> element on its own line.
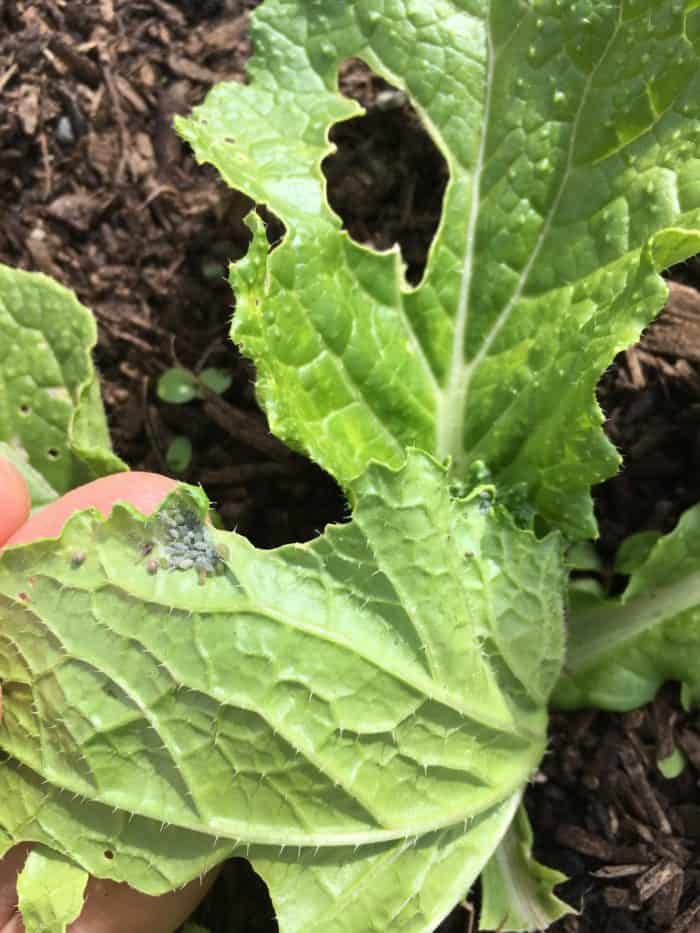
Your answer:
<point x="387" y="178"/>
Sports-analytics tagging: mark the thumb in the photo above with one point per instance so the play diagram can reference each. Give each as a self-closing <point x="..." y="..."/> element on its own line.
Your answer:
<point x="14" y="501"/>
<point x="145" y="491"/>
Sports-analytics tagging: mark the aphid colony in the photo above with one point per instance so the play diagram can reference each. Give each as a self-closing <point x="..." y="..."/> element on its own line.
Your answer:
<point x="185" y="544"/>
<point x="188" y="544"/>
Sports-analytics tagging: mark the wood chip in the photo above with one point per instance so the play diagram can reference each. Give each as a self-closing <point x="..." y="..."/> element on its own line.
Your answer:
<point x="28" y="108"/>
<point x="130" y="95"/>
<point x="676" y="332"/>
<point x="78" y="64"/>
<point x="79" y="209"/>
<point x="184" y="68"/>
<point x="226" y="34"/>
<point x="665" y="903"/>
<point x="617" y="898"/>
<point x="637" y="773"/>
<point x="580" y="840"/>
<point x="654" y="878"/>
<point x="683" y="922"/>
<point x="619" y="871"/>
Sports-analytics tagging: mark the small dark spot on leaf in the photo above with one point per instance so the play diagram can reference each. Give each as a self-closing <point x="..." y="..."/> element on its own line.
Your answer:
<point x="78" y="559"/>
<point x="53" y="453"/>
<point x="109" y="854"/>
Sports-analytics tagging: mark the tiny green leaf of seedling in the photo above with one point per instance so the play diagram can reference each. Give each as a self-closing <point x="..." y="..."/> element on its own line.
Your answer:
<point x="217" y="380"/>
<point x="672" y="766"/>
<point x="179" y="453"/>
<point x="177" y="386"/>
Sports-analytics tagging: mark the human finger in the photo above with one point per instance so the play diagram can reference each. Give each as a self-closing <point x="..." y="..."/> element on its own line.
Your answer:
<point x="14" y="500"/>
<point x="145" y="491"/>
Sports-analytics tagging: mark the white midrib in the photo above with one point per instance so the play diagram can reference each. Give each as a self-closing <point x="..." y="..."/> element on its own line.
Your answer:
<point x="452" y="403"/>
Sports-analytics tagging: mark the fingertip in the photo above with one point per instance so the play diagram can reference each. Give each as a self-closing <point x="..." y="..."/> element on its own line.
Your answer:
<point x="14" y="500"/>
<point x="145" y="491"/>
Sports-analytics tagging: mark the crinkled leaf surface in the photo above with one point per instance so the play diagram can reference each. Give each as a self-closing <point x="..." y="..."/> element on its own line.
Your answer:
<point x="517" y="892"/>
<point x="407" y="885"/>
<point x="571" y="135"/>
<point x="384" y="683"/>
<point x="50" y="407"/>
<point x="50" y="891"/>
<point x="619" y="652"/>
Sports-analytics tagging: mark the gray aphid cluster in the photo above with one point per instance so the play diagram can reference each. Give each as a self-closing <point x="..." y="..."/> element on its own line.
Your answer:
<point x="188" y="545"/>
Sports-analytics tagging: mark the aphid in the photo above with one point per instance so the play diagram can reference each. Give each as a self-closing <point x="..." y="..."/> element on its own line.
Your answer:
<point x="188" y="545"/>
<point x="78" y="559"/>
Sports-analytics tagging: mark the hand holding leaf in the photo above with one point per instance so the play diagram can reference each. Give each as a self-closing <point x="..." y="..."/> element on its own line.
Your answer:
<point x="49" y="886"/>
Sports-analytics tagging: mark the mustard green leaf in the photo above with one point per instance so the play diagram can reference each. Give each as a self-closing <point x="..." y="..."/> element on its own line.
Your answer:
<point x="381" y="690"/>
<point x="634" y="551"/>
<point x="571" y="134"/>
<point x="517" y="892"/>
<point x="620" y="651"/>
<point x="50" y="407"/>
<point x="50" y="891"/>
<point x="408" y="885"/>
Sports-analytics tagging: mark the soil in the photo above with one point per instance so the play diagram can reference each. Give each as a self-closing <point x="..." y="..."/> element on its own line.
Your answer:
<point x="98" y="191"/>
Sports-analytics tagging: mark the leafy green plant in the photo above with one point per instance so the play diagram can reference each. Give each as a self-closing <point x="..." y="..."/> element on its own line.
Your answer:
<point x="360" y="715"/>
<point x="179" y="453"/>
<point x="179" y="386"/>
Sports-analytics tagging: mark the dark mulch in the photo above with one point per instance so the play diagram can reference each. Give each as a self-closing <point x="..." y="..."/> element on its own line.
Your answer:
<point x="97" y="190"/>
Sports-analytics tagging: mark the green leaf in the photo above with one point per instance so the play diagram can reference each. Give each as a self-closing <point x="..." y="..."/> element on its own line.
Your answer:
<point x="582" y="556"/>
<point x="673" y="765"/>
<point x="177" y="386"/>
<point x="634" y="551"/>
<point x="50" y="408"/>
<point x="50" y="891"/>
<point x="376" y="698"/>
<point x="517" y="891"/>
<point x="408" y="885"/>
<point x="179" y="453"/>
<point x="620" y="651"/>
<point x="570" y="132"/>
<point x="218" y="380"/>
